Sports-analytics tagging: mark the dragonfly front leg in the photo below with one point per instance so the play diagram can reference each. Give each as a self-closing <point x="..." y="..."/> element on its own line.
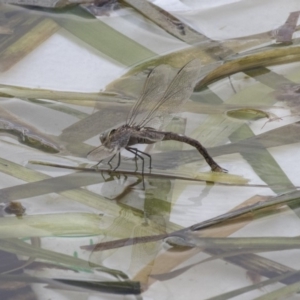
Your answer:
<point x="99" y="162"/>
<point x="119" y="161"/>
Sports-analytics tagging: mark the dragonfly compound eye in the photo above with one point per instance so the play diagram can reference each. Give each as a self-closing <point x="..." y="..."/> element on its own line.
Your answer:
<point x="106" y="135"/>
<point x="111" y="132"/>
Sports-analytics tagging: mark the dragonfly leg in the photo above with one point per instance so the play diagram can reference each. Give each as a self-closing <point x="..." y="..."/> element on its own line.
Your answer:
<point x="150" y="158"/>
<point x="111" y="159"/>
<point x="135" y="160"/>
<point x="109" y="162"/>
<point x="119" y="161"/>
<point x="133" y="151"/>
<point x="136" y="153"/>
<point x="98" y="163"/>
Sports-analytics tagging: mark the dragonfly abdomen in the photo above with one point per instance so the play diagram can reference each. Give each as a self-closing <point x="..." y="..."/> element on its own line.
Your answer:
<point x="194" y="143"/>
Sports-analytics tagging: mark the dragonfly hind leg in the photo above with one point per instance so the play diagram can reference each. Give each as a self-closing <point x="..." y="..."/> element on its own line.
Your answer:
<point x="139" y="154"/>
<point x="136" y="153"/>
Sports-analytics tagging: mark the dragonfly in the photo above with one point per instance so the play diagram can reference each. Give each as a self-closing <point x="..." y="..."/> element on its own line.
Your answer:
<point x="161" y="96"/>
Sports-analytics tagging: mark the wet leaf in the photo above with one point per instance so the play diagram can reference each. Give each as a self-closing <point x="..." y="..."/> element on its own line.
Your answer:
<point x="247" y="114"/>
<point x="26" y="133"/>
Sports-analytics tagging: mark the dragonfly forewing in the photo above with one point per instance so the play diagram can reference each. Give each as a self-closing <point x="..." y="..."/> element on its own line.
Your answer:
<point x="171" y="100"/>
<point x="153" y="90"/>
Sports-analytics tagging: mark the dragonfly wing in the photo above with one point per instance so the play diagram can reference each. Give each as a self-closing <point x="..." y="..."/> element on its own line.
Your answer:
<point x="154" y="88"/>
<point x="159" y="121"/>
<point x="101" y="153"/>
<point x="176" y="94"/>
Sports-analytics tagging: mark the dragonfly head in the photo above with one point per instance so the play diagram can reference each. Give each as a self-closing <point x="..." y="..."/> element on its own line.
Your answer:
<point x="104" y="137"/>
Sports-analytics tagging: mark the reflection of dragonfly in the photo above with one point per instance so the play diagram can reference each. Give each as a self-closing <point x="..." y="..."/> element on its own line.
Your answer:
<point x="159" y="98"/>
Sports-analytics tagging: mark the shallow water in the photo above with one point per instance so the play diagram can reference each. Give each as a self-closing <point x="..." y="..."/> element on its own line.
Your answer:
<point x="68" y="76"/>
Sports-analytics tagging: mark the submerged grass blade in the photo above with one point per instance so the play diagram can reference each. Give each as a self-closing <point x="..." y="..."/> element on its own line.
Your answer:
<point x="167" y="22"/>
<point x="222" y="178"/>
<point x="252" y="287"/>
<point x="42" y="3"/>
<point x="80" y="195"/>
<point x="282" y="293"/>
<point x="252" y="262"/>
<point x="26" y="133"/>
<point x="70" y="224"/>
<point x="245" y="213"/>
<point x="19" y="22"/>
<point x="278" y="201"/>
<point x="111" y="287"/>
<point x="264" y="164"/>
<point x="77" y="98"/>
<point x="25" y="44"/>
<point x="60" y="108"/>
<point x="20" y="247"/>
<point x="248" y="244"/>
<point x="112" y="210"/>
<point x="104" y="38"/>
